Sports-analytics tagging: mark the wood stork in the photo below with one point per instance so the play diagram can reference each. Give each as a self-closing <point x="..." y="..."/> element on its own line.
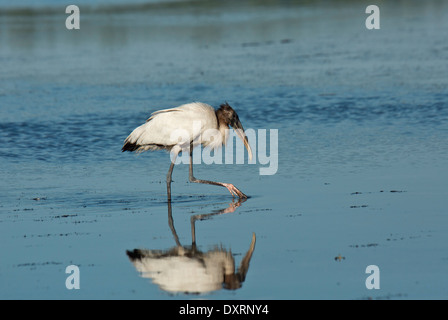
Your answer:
<point x="185" y="127"/>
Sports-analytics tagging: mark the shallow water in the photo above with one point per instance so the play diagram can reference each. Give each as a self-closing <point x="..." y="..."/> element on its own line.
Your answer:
<point x="362" y="147"/>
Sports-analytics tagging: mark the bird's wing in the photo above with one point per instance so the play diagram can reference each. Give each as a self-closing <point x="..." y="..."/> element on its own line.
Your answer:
<point x="176" y="126"/>
<point x="155" y="113"/>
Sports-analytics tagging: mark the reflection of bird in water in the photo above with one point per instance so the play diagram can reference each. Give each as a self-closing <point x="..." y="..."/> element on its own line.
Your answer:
<point x="194" y="124"/>
<point x="191" y="271"/>
<point x="188" y="270"/>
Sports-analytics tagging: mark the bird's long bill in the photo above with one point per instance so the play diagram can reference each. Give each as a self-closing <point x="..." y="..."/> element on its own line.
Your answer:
<point x="238" y="127"/>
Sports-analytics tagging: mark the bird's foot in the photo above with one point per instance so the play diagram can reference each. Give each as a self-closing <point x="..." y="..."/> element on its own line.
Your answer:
<point x="234" y="191"/>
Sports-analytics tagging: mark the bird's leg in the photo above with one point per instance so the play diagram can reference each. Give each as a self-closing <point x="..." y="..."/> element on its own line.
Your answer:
<point x="168" y="177"/>
<point x="168" y="181"/>
<point x="232" y="189"/>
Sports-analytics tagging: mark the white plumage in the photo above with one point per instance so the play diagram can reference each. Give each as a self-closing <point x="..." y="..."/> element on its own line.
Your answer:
<point x="166" y="129"/>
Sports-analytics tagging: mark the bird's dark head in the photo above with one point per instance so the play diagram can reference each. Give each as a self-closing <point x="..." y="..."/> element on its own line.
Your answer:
<point x="228" y="116"/>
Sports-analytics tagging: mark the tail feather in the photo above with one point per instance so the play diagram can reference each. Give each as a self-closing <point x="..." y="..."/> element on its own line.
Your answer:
<point x="129" y="146"/>
<point x="133" y="146"/>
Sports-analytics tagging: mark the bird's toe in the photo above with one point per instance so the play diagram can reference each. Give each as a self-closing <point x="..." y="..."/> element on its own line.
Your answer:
<point x="234" y="191"/>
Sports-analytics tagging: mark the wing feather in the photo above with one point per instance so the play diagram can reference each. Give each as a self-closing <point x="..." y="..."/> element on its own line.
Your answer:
<point x="170" y="127"/>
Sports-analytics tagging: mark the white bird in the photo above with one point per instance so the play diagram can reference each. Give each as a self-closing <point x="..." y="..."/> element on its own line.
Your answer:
<point x="185" y="127"/>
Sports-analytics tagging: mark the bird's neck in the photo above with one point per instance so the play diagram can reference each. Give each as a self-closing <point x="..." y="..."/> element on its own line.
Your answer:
<point x="223" y="126"/>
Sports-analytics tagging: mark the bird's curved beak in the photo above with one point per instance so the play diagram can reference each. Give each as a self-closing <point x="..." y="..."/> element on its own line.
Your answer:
<point x="238" y="127"/>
